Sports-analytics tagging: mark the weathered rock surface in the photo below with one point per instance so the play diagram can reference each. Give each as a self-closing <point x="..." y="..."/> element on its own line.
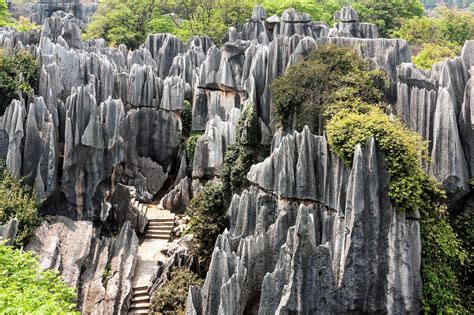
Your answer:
<point x="437" y="104"/>
<point x="314" y="236"/>
<point x="107" y="279"/>
<point x="179" y="197"/>
<point x="101" y="269"/>
<point x="8" y="232"/>
<point x="178" y="257"/>
<point x="107" y="121"/>
<point x="63" y="244"/>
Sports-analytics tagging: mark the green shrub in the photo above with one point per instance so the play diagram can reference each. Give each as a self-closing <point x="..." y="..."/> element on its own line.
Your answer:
<point x="17" y="73"/>
<point x="17" y="201"/>
<point x="431" y="54"/>
<point x="441" y="265"/>
<point x="171" y="298"/>
<point x="408" y="185"/>
<point x="326" y="76"/>
<point x="191" y="142"/>
<point x="240" y="156"/>
<point x="208" y="219"/>
<point x="24" y="289"/>
<point x="187" y="119"/>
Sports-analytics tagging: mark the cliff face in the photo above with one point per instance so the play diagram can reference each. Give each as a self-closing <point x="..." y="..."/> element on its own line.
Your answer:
<point x="438" y="105"/>
<point x="310" y="235"/>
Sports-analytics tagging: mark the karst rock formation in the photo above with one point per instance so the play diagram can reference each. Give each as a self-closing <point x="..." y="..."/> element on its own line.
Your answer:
<point x="311" y="235"/>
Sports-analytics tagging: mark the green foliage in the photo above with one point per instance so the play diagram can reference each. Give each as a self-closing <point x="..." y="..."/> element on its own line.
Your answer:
<point x="432" y="53"/>
<point x="207" y="17"/>
<point x="191" y="142"/>
<point x="171" y="298"/>
<point x="464" y="227"/>
<point x="437" y="37"/>
<point x="5" y="17"/>
<point x="17" y="201"/>
<point x="106" y="272"/>
<point x="240" y="156"/>
<point x="187" y="119"/>
<point x="388" y="15"/>
<point x="24" y="289"/>
<point x="208" y="219"/>
<point x="123" y="22"/>
<point x="328" y="76"/>
<point x="318" y="10"/>
<point x="17" y="72"/>
<point x="409" y="187"/>
<point x="24" y="24"/>
<point x="441" y="264"/>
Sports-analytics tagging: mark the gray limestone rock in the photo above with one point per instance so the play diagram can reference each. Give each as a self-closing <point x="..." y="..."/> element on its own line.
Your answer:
<point x="112" y="293"/>
<point x="63" y="244"/>
<point x="179" y="197"/>
<point x="211" y="147"/>
<point x="344" y="247"/>
<point x="8" y="232"/>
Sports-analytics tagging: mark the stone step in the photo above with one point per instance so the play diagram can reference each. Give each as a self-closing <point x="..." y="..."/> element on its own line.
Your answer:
<point x="137" y="312"/>
<point x="160" y="227"/>
<point x="139" y="306"/>
<point x="140" y="298"/>
<point x="163" y="234"/>
<point x="140" y="290"/>
<point x="165" y="238"/>
<point x="161" y="220"/>
<point x="170" y="223"/>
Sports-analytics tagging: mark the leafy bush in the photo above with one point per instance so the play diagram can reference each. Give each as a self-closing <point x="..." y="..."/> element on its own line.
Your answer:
<point x="17" y="72"/>
<point x="441" y="265"/>
<point x="187" y="119"/>
<point x="431" y="54"/>
<point x="409" y="186"/>
<point x="24" y="289"/>
<point x="240" y="156"/>
<point x="171" y="298"/>
<point x="208" y="219"/>
<point x="326" y="76"/>
<point x="17" y="201"/>
<point x="191" y="142"/>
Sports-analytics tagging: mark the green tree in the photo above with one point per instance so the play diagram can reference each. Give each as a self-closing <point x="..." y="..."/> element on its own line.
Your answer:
<point x="432" y="53"/>
<point x="5" y="17"/>
<point x="122" y="21"/>
<point x="325" y="77"/>
<point x="387" y="15"/>
<point x="18" y="72"/>
<point x="438" y="37"/>
<point x="24" y="289"/>
<point x="17" y="201"/>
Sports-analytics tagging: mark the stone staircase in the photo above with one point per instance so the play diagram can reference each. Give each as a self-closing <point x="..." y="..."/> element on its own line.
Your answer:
<point x="140" y="301"/>
<point x="160" y="224"/>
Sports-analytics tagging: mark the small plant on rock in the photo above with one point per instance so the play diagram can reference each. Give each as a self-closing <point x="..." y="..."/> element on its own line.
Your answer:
<point x="171" y="298"/>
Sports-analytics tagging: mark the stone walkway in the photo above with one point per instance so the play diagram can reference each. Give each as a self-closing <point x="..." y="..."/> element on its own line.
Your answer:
<point x="160" y="224"/>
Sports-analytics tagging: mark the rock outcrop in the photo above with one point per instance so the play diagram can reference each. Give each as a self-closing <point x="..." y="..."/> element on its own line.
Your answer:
<point x="101" y="269"/>
<point x="437" y="104"/>
<point x="105" y="129"/>
<point x="312" y="235"/>
<point x="8" y="232"/>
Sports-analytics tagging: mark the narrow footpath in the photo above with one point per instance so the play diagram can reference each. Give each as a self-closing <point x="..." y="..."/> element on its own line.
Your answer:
<point x="149" y="253"/>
